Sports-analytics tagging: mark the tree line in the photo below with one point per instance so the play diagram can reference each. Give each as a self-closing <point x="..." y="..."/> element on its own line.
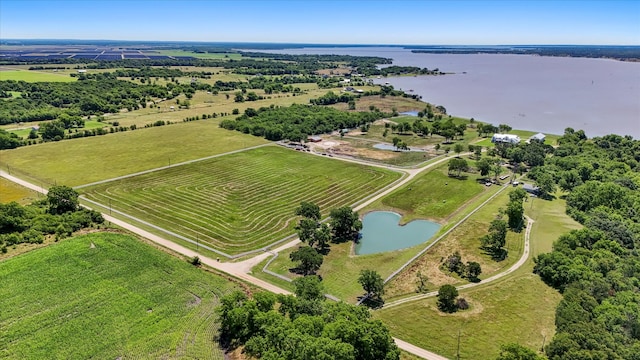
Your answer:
<point x="58" y="215"/>
<point x="596" y="268"/>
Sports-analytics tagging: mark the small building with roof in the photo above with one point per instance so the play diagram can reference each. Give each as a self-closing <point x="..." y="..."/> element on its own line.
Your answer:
<point x="538" y="137"/>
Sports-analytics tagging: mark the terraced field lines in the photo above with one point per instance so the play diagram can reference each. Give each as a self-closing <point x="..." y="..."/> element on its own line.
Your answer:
<point x="241" y="201"/>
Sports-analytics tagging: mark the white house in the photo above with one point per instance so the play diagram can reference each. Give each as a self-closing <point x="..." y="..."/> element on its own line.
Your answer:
<point x="539" y="137"/>
<point x="505" y="138"/>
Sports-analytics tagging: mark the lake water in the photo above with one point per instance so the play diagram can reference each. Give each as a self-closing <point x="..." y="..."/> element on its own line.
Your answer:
<point x="546" y="94"/>
<point x="381" y="232"/>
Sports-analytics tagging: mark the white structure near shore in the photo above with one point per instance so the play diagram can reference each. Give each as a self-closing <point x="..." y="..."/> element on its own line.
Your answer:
<point x="505" y="138"/>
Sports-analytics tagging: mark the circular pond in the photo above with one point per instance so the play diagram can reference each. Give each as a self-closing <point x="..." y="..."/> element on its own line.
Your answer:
<point x="381" y="231"/>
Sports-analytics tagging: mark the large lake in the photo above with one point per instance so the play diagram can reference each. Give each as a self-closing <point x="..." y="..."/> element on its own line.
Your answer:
<point x="546" y="94"/>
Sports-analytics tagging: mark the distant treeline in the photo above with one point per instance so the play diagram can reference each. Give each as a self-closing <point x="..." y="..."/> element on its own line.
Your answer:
<point x="613" y="52"/>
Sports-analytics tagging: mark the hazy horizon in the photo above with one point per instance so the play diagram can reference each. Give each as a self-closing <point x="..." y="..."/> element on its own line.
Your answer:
<point x="348" y="22"/>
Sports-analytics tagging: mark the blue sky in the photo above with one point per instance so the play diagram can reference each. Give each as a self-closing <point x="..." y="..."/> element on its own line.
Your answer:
<point x="339" y="22"/>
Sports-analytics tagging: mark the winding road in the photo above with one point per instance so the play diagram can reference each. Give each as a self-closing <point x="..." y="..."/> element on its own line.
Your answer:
<point x="242" y="269"/>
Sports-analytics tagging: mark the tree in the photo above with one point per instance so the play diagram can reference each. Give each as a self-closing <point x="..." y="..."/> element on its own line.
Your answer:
<point x="473" y="271"/>
<point x="322" y="236"/>
<point x="458" y="148"/>
<point x="447" y="295"/>
<point x="62" y="199"/>
<point x="308" y="210"/>
<point x="494" y="242"/>
<point x="437" y="147"/>
<point x="514" y="351"/>
<point x="309" y="287"/>
<point x="306" y="230"/>
<point x="546" y="184"/>
<point x="345" y="224"/>
<point x="372" y="283"/>
<point x="310" y="260"/>
<point x="484" y="166"/>
<point x="458" y="165"/>
<point x="515" y="210"/>
<point x="52" y="130"/>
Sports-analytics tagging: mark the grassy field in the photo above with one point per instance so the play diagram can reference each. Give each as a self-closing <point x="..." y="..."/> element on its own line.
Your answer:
<point x="10" y="191"/>
<point x="432" y="195"/>
<point x="466" y="240"/>
<point x="518" y="308"/>
<point x="81" y="161"/>
<point x="340" y="269"/>
<point x="34" y="76"/>
<point x="241" y="201"/>
<point x="109" y="296"/>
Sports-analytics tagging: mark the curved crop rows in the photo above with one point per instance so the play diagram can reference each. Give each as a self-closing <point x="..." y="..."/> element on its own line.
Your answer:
<point x="241" y="201"/>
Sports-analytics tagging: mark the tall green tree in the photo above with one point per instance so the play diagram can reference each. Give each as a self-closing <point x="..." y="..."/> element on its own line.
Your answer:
<point x="308" y="210"/>
<point x="308" y="258"/>
<point x="309" y="287"/>
<point x="62" y="199"/>
<point x="345" y="224"/>
<point x="372" y="283"/>
<point x="447" y="295"/>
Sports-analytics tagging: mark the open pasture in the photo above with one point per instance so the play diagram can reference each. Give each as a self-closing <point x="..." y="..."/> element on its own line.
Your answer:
<point x="85" y="160"/>
<point x="242" y="201"/>
<point x="10" y="191"/>
<point x="519" y="301"/>
<point x="432" y="195"/>
<point x="34" y="76"/>
<point x="109" y="296"/>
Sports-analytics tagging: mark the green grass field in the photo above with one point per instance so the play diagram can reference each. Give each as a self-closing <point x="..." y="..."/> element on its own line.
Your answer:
<point x="518" y="308"/>
<point x="241" y="201"/>
<point x="431" y="195"/>
<point x="10" y="191"/>
<point x="34" y="76"/>
<point x="81" y="161"/>
<point x="466" y="240"/>
<point x="116" y="299"/>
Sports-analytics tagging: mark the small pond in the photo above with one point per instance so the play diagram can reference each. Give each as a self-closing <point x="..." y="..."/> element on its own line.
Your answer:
<point x="410" y="113"/>
<point x="381" y="231"/>
<point x="393" y="148"/>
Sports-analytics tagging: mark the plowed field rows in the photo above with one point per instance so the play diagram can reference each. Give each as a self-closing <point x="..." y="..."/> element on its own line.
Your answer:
<point x="242" y="201"/>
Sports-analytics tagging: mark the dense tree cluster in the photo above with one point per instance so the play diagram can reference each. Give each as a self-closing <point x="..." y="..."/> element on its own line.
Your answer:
<point x="471" y="270"/>
<point x="296" y="122"/>
<point x="303" y="327"/>
<point x="597" y="268"/>
<point x="57" y="215"/>
<point x="48" y="100"/>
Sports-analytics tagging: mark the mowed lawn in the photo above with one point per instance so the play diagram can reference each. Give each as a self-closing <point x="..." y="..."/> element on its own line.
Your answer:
<point x="81" y="161"/>
<point x="242" y="201"/>
<point x="432" y="195"/>
<point x="518" y="308"/>
<point x="34" y="76"/>
<point x="107" y="296"/>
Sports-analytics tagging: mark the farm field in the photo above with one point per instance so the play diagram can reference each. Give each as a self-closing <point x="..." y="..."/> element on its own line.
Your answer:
<point x="107" y="295"/>
<point x="81" y="161"/>
<point x="10" y="191"/>
<point x="242" y="201"/>
<point x="520" y="301"/>
<point x="34" y="76"/>
<point x="431" y="195"/>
